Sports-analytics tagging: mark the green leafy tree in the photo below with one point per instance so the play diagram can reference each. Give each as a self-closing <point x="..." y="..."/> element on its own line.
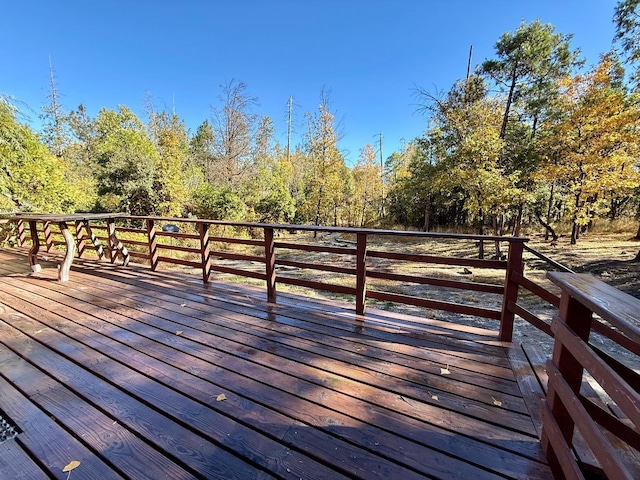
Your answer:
<point x="31" y="177"/>
<point x="261" y="172"/>
<point x="128" y="163"/>
<point x="202" y="151"/>
<point x="79" y="155"/>
<point x="267" y="192"/>
<point x="170" y="184"/>
<point x="529" y="63"/>
<point x="626" y="18"/>
<point x="217" y="204"/>
<point x="277" y="206"/>
<point x="461" y="154"/>
<point x="400" y="202"/>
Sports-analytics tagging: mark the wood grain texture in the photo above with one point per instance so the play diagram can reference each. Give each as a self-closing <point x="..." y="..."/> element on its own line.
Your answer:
<point x="47" y="441"/>
<point x="16" y="464"/>
<point x="312" y="390"/>
<point x="618" y="308"/>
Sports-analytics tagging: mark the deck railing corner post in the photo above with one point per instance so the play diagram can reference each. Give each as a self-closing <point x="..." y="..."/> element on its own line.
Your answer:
<point x="270" y="263"/>
<point x="510" y="295"/>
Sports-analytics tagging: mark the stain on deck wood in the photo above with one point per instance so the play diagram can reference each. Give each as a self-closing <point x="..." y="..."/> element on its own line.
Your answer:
<point x="121" y="369"/>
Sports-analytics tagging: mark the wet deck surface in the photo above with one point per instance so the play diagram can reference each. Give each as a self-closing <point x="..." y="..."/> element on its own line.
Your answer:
<point x="140" y="374"/>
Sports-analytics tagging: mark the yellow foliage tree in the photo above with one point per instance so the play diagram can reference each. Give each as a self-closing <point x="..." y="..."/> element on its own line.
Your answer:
<point x="592" y="148"/>
<point x="326" y="176"/>
<point x="367" y="177"/>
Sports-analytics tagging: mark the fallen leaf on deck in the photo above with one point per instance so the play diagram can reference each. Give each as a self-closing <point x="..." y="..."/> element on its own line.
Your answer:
<point x="445" y="371"/>
<point x="221" y="397"/>
<point x="178" y="332"/>
<point x="183" y="304"/>
<point x="496" y="402"/>
<point x="434" y="397"/>
<point x="71" y="465"/>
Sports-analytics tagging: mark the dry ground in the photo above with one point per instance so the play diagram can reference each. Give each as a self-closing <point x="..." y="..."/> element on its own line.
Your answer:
<point x="608" y="256"/>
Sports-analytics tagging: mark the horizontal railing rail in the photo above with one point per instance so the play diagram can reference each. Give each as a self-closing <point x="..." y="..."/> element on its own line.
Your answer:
<point x="265" y="258"/>
<point x="519" y="281"/>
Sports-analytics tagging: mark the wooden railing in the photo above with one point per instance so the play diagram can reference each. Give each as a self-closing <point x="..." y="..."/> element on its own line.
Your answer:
<point x="566" y="409"/>
<point x="517" y="280"/>
<point x="195" y="245"/>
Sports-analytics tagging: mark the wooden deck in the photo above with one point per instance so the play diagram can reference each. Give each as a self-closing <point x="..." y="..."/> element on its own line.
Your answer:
<point x="140" y="374"/>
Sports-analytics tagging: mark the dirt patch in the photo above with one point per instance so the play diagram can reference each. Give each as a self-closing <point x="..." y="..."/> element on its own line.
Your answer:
<point x="610" y="257"/>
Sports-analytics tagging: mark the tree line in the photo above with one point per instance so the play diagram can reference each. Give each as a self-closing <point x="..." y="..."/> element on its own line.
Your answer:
<point x="531" y="137"/>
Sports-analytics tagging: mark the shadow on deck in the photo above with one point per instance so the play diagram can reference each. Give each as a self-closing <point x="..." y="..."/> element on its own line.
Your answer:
<point x="140" y="374"/>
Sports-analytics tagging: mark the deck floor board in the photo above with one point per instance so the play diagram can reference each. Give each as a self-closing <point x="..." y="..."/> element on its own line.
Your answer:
<point x="311" y="390"/>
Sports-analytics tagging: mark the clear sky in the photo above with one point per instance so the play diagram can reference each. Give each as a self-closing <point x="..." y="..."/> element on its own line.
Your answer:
<point x="370" y="54"/>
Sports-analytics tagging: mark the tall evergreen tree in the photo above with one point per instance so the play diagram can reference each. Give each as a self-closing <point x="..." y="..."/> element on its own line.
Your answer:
<point x="325" y="167"/>
<point x="529" y="63"/>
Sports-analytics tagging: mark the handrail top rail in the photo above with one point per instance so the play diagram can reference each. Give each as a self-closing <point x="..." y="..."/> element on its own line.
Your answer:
<point x="65" y="217"/>
<point x="616" y="307"/>
<point x="322" y="228"/>
<point x="550" y="261"/>
<point x="54" y="217"/>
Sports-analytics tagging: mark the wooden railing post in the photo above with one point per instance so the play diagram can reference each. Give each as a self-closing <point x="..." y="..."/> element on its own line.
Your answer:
<point x="22" y="233"/>
<point x="578" y="318"/>
<point x="153" y="244"/>
<point x="65" y="266"/>
<point x="47" y="236"/>
<point x="80" y="236"/>
<point x="35" y="247"/>
<point x="361" y="272"/>
<point x="514" y="265"/>
<point x="111" y="231"/>
<point x="115" y="245"/>
<point x="99" y="248"/>
<point x="205" y="251"/>
<point x="270" y="263"/>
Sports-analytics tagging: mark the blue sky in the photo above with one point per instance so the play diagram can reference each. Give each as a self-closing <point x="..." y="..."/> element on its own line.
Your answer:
<point x="369" y="54"/>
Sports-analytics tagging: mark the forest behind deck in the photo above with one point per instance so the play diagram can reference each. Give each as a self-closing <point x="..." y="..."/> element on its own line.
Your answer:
<point x="140" y="374"/>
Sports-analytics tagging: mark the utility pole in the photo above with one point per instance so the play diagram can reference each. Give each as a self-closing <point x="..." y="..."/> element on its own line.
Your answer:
<point x="55" y="112"/>
<point x="290" y="109"/>
<point x="466" y="82"/>
<point x="381" y="177"/>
